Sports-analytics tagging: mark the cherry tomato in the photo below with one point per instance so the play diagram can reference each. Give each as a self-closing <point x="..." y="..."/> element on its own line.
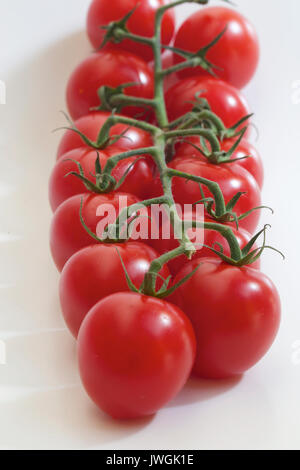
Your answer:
<point x="103" y="12"/>
<point x="61" y="187"/>
<point x="253" y="164"/>
<point x="235" y="313"/>
<point x="67" y="234"/>
<point x="231" y="178"/>
<point x="199" y="237"/>
<point x="236" y="54"/>
<point x="111" y="68"/>
<point x="96" y="272"/>
<point x="135" y="354"/>
<point x="91" y="125"/>
<point x="225" y="101"/>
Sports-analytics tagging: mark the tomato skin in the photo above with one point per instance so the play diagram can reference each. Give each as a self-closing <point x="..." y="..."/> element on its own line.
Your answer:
<point x="142" y="361"/>
<point x="237" y="52"/>
<point x="225" y="100"/>
<point x="102" y="12"/>
<point x="67" y="234"/>
<point x="253" y="164"/>
<point x="137" y="181"/>
<point x="235" y="313"/>
<point x="111" y="68"/>
<point x="96" y="272"/>
<point x="231" y="179"/>
<point x="91" y="124"/>
<point x="208" y="237"/>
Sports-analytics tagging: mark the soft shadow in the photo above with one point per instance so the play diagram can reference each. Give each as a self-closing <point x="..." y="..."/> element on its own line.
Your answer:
<point x="61" y="419"/>
<point x="35" y="96"/>
<point x="199" y="390"/>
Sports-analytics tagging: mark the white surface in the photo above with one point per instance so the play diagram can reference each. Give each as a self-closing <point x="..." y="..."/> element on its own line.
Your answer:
<point x="42" y="404"/>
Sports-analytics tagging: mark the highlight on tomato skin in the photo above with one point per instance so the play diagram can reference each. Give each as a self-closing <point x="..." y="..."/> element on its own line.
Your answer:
<point x="96" y="271"/>
<point x="90" y="125"/>
<point x="225" y="100"/>
<point x="103" y="12"/>
<point x="236" y="54"/>
<point x="68" y="235"/>
<point x="231" y="178"/>
<point x="142" y="361"/>
<point x="112" y="68"/>
<point x="63" y="184"/>
<point x="235" y="312"/>
<point x="246" y="155"/>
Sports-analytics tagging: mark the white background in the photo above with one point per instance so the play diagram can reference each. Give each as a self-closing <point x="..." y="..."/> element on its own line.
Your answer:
<point x="42" y="404"/>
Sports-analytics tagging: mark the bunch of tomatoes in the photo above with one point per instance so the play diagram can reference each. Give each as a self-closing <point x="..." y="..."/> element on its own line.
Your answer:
<point x="137" y="351"/>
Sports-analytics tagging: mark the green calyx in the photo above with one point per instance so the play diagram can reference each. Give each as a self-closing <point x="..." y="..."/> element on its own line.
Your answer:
<point x="202" y="122"/>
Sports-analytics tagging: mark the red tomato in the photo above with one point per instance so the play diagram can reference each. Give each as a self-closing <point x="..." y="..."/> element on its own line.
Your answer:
<point x="253" y="164"/>
<point x="225" y="101"/>
<point x="96" y="272"/>
<point x="237" y="52"/>
<point x="91" y="125"/>
<point x="199" y="237"/>
<point x="235" y="313"/>
<point x="135" y="354"/>
<point x="231" y="178"/>
<point x="67" y="234"/>
<point x="137" y="181"/>
<point x="111" y="68"/>
<point x="103" y="12"/>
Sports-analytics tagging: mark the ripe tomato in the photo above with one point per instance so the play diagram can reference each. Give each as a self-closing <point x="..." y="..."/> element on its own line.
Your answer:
<point x="96" y="272"/>
<point x="225" y="101"/>
<point x="103" y="12"/>
<point x="67" y="234"/>
<point x="231" y="178"/>
<point x="135" y="354"/>
<point x="237" y="52"/>
<point x="91" y="125"/>
<point x="137" y="182"/>
<point x="235" y="313"/>
<point x="200" y="237"/>
<point x="111" y="68"/>
<point x="253" y="164"/>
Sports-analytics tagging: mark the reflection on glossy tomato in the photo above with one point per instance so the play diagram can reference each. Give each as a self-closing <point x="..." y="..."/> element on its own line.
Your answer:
<point x="253" y="163"/>
<point x="61" y="187"/>
<point x="67" y="234"/>
<point x="103" y="12"/>
<point x="109" y="68"/>
<point x="91" y="125"/>
<point x="231" y="178"/>
<point x="96" y="272"/>
<point x="225" y="100"/>
<point x="200" y="237"/>
<point x="135" y="354"/>
<point x="235" y="313"/>
<point x="236" y="54"/>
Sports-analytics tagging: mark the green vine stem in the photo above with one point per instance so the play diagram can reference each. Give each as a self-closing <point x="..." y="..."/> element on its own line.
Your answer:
<point x="162" y="134"/>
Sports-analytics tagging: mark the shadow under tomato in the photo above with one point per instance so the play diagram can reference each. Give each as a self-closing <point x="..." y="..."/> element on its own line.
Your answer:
<point x="199" y="390"/>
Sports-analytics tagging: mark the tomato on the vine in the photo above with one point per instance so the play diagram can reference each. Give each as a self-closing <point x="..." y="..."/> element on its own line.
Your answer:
<point x="225" y="100"/>
<point x="235" y="312"/>
<point x="103" y="12"/>
<point x="108" y="68"/>
<point x="202" y="239"/>
<point x="236" y="54"/>
<point x="138" y="170"/>
<point x="253" y="163"/>
<point x="91" y="124"/>
<point x="231" y="178"/>
<point x="96" y="272"/>
<point x="135" y="354"/>
<point x="68" y="235"/>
